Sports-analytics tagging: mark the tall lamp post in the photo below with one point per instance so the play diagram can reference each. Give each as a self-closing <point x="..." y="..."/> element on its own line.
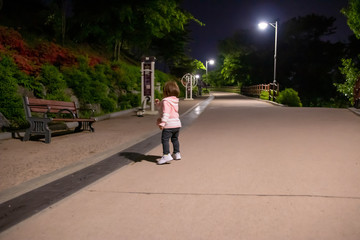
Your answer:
<point x="262" y="26"/>
<point x="199" y="84"/>
<point x="211" y="62"/>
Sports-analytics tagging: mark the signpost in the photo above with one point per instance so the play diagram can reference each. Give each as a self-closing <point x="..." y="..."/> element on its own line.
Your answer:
<point x="188" y="81"/>
<point x="147" y="84"/>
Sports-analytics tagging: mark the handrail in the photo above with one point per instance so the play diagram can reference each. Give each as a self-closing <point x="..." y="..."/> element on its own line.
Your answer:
<point x="255" y="90"/>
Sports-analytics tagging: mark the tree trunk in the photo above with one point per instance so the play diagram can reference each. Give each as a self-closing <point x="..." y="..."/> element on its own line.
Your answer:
<point x="63" y="21"/>
<point x="117" y="49"/>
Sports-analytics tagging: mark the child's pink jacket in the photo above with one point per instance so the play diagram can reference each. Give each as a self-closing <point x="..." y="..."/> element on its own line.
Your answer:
<point x="169" y="110"/>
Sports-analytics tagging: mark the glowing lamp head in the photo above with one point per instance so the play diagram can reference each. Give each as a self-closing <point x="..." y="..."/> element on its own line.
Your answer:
<point x="263" y="25"/>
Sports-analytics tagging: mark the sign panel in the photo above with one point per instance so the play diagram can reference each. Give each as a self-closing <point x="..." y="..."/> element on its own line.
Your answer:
<point x="147" y="79"/>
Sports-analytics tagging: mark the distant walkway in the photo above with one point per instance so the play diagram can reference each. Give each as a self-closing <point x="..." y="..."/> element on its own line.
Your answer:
<point x="250" y="170"/>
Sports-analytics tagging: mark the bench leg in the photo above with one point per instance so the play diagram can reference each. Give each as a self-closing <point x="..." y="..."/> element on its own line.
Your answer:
<point x="47" y="136"/>
<point x="91" y="127"/>
<point x="85" y="126"/>
<point x="38" y="127"/>
<point x="79" y="127"/>
<point x="27" y="135"/>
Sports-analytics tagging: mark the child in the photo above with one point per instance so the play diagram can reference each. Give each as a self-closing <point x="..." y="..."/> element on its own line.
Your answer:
<point x="169" y="121"/>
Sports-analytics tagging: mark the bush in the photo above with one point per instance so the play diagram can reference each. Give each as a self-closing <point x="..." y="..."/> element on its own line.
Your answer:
<point x="130" y="76"/>
<point x="48" y="70"/>
<point x="205" y="91"/>
<point x="135" y="100"/>
<point x="80" y="82"/>
<point x="10" y="100"/>
<point x="264" y="95"/>
<point x="108" y="105"/>
<point x="54" y="83"/>
<point x="162" y="78"/>
<point x="289" y="97"/>
<point x="124" y="102"/>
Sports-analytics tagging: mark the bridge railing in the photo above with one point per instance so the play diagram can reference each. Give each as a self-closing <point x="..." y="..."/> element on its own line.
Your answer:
<point x="255" y="90"/>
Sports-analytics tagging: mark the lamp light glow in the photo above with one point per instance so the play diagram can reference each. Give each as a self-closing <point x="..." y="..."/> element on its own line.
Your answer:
<point x="263" y="25"/>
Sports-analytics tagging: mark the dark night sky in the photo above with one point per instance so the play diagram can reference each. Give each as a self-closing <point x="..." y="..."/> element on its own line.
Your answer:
<point x="224" y="17"/>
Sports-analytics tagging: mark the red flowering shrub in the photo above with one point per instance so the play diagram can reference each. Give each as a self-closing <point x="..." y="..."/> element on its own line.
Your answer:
<point x="25" y="65"/>
<point x="94" y="61"/>
<point x="55" y="54"/>
<point x="30" y="60"/>
<point x="12" y="39"/>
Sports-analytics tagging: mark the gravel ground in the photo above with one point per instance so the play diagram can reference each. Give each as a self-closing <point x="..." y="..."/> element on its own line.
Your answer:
<point x="23" y="161"/>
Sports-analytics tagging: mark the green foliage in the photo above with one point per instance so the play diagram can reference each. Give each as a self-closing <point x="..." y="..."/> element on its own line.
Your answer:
<point x="10" y="100"/>
<point x="54" y="83"/>
<point x="128" y="76"/>
<point x="352" y="12"/>
<point x="289" y="97"/>
<point x="130" y="26"/>
<point x="214" y="78"/>
<point x="129" y="100"/>
<point x="231" y="89"/>
<point x="198" y="65"/>
<point x="235" y="69"/>
<point x="118" y="28"/>
<point x="351" y="74"/>
<point x="79" y="81"/>
<point x="162" y="78"/>
<point x="264" y="95"/>
<point x="113" y="85"/>
<point x="307" y="62"/>
<point x="205" y="91"/>
<point x="50" y="71"/>
<point x="108" y="104"/>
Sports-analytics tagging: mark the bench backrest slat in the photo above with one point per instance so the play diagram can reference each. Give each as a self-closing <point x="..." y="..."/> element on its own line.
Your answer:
<point x="43" y="105"/>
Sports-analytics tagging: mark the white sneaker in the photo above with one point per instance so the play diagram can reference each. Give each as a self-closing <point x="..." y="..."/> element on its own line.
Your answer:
<point x="165" y="159"/>
<point x="176" y="156"/>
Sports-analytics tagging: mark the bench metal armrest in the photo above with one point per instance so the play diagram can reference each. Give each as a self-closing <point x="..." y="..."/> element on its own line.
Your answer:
<point x="66" y="110"/>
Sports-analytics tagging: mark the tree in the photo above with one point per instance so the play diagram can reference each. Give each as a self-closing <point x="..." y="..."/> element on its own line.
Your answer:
<point x="350" y="65"/>
<point x="352" y="74"/>
<point x="127" y="24"/>
<point x="171" y="49"/>
<point x="306" y="62"/>
<point x="352" y="12"/>
<point x="57" y="19"/>
<point x="235" y="69"/>
<point x="235" y="56"/>
<point x="29" y="16"/>
<point x="309" y="63"/>
<point x="198" y="65"/>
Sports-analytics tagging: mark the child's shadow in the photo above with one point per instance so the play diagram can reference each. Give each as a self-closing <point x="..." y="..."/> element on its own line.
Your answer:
<point x="137" y="157"/>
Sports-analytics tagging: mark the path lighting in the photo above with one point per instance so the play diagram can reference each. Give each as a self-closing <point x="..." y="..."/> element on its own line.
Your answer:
<point x="211" y="62"/>
<point x="263" y="26"/>
<point x="197" y="76"/>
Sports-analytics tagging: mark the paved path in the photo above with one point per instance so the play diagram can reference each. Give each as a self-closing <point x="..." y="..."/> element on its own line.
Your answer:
<point x="250" y="170"/>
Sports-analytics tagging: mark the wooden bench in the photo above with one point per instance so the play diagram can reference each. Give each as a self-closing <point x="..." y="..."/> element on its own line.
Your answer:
<point x="62" y="111"/>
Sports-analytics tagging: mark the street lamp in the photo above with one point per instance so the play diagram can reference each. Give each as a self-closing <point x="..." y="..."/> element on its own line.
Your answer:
<point x="211" y="62"/>
<point x="199" y="83"/>
<point x="262" y="26"/>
